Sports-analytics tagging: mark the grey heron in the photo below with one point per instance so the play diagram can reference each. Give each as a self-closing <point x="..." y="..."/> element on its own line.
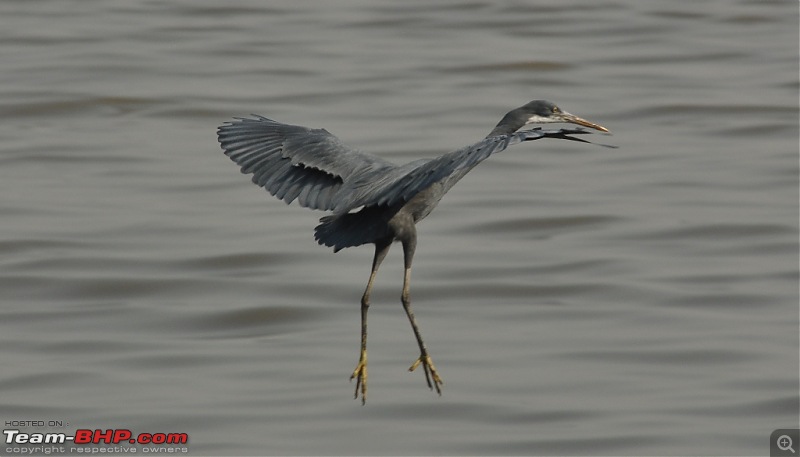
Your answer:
<point x="371" y="199"/>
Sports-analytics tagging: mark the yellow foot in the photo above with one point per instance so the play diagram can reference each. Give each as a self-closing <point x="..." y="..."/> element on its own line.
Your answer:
<point x="431" y="376"/>
<point x="360" y="375"/>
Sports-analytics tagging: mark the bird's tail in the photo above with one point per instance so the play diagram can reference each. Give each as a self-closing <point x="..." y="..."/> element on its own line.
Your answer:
<point x="351" y="229"/>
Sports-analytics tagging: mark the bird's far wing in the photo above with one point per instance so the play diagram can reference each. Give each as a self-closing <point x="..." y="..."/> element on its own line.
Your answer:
<point x="293" y="162"/>
<point x="402" y="183"/>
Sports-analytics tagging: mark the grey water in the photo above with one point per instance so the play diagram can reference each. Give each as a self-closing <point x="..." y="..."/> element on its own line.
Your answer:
<point x="577" y="300"/>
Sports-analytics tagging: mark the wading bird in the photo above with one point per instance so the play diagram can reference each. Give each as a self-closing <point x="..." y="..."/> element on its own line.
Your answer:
<point x="371" y="199"/>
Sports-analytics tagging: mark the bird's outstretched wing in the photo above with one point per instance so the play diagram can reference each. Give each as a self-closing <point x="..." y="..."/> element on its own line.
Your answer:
<point x="403" y="183"/>
<point x="293" y="162"/>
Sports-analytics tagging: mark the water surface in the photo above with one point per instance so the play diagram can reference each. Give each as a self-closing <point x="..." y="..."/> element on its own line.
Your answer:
<point x="577" y="300"/>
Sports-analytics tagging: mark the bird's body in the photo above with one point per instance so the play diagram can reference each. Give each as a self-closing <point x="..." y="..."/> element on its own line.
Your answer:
<point x="372" y="200"/>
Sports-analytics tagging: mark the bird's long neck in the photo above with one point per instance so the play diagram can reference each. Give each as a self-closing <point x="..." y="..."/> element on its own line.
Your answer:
<point x="510" y="123"/>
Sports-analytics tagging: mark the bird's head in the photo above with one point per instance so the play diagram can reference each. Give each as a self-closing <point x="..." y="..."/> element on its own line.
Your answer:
<point x="539" y="112"/>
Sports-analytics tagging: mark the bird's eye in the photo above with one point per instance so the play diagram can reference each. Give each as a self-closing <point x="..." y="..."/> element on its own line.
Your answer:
<point x="556" y="109"/>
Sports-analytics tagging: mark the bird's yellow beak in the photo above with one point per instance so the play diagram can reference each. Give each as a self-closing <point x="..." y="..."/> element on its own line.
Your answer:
<point x="573" y="119"/>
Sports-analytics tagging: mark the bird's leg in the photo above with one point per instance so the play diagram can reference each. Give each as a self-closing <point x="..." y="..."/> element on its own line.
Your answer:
<point x="431" y="376"/>
<point x="360" y="373"/>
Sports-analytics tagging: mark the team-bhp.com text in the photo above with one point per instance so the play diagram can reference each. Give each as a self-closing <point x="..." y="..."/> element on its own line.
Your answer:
<point x="46" y="443"/>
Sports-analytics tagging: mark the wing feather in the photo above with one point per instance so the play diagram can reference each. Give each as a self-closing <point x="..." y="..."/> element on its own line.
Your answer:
<point x="294" y="162"/>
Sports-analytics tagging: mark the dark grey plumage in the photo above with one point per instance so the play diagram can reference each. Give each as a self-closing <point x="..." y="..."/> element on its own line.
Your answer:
<point x="320" y="172"/>
<point x="371" y="199"/>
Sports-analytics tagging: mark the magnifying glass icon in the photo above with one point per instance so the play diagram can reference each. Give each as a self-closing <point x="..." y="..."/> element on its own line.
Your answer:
<point x="785" y="443"/>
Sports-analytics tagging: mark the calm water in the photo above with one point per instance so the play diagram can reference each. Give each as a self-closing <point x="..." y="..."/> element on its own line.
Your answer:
<point x="577" y="300"/>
